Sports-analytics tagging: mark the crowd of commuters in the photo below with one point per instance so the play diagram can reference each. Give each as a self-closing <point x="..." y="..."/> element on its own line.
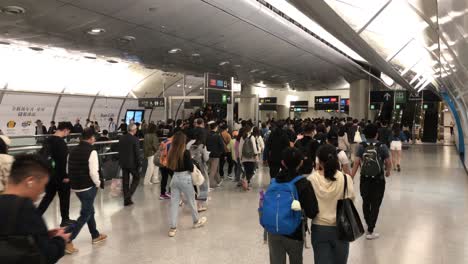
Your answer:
<point x="327" y="153"/>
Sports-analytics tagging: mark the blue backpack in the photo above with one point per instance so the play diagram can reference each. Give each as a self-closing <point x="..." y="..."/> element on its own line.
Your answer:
<point x="276" y="215"/>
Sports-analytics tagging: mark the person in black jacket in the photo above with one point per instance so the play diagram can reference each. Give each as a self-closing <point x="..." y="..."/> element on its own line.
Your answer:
<point x="292" y="245"/>
<point x="215" y="145"/>
<point x="83" y="168"/>
<point x="277" y="142"/>
<point x="28" y="178"/>
<point x="59" y="181"/>
<point x="304" y="145"/>
<point x="129" y="160"/>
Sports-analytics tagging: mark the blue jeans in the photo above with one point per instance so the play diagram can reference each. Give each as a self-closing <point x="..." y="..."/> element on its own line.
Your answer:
<point x="86" y="214"/>
<point x="328" y="249"/>
<point x="182" y="183"/>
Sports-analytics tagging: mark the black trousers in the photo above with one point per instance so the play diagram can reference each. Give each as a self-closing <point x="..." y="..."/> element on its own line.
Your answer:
<point x="275" y="168"/>
<point x="63" y="189"/>
<point x="165" y="173"/>
<point x="372" y="192"/>
<point x="129" y="189"/>
<point x="225" y="157"/>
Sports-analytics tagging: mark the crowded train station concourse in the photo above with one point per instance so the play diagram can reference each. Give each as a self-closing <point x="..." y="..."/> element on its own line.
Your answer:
<point x="233" y="131"/>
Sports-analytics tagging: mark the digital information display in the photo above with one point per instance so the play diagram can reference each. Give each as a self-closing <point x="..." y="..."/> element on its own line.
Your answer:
<point x="327" y="103"/>
<point x="267" y="104"/>
<point x="344" y="105"/>
<point x="150" y="103"/>
<point x="299" y="106"/>
<point x="196" y="102"/>
<point x="215" y="81"/>
<point x="218" y="96"/>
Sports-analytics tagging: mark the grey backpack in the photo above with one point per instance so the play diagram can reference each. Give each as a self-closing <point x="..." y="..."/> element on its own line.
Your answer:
<point x="248" y="148"/>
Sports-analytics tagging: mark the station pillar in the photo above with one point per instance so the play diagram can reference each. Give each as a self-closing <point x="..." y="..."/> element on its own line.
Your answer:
<point x="248" y="106"/>
<point x="359" y="99"/>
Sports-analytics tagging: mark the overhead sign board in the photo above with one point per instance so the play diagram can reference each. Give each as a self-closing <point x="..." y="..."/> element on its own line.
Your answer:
<point x="400" y="97"/>
<point x="299" y="106"/>
<point x="268" y="107"/>
<point x="415" y="97"/>
<point x="218" y="96"/>
<point x="327" y="103"/>
<point x="150" y="103"/>
<point x="374" y="106"/>
<point x="267" y="100"/>
<point x="381" y="96"/>
<point x="215" y="81"/>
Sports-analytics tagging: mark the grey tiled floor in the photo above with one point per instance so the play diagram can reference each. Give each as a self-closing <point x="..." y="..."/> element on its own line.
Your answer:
<point x="423" y="220"/>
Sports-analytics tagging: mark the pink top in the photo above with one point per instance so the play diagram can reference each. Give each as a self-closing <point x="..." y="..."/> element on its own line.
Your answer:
<point x="236" y="149"/>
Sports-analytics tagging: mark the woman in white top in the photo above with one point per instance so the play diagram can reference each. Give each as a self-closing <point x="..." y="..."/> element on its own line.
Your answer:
<point x="328" y="183"/>
<point x="343" y="142"/>
<point x="248" y="152"/>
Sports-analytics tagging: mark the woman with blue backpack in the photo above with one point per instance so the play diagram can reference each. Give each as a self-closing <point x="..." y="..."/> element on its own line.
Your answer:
<point x="328" y="183"/>
<point x="287" y="203"/>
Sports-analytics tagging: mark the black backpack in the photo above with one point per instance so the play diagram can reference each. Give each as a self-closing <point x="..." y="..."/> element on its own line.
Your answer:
<point x="18" y="249"/>
<point x="372" y="163"/>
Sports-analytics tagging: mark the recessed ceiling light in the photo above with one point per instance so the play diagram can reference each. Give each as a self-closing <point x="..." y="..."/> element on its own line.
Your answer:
<point x="96" y="31"/>
<point x="36" y="48"/>
<point x="127" y="39"/>
<point x="13" y="10"/>
<point x="112" y="61"/>
<point x="201" y="88"/>
<point x="254" y="71"/>
<point x="195" y="54"/>
<point x="174" y="51"/>
<point x="237" y="65"/>
<point x="224" y="63"/>
<point x="190" y="87"/>
<point x="178" y="85"/>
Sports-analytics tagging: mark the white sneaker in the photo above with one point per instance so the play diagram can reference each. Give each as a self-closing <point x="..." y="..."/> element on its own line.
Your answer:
<point x="372" y="236"/>
<point x="201" y="222"/>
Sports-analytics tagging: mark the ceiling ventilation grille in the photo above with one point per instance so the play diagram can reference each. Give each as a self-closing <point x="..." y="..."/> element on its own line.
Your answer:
<point x="13" y="10"/>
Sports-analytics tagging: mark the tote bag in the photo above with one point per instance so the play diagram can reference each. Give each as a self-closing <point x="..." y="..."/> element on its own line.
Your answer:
<point x="348" y="222"/>
<point x="197" y="176"/>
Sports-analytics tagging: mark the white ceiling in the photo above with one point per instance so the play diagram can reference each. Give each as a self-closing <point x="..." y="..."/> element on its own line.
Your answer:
<point x="243" y="32"/>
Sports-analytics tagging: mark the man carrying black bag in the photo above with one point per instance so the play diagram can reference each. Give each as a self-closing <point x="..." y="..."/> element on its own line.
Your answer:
<point x="374" y="159"/>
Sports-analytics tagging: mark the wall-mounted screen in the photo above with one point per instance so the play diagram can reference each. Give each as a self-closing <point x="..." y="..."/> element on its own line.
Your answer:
<point x="268" y="107"/>
<point x="327" y="103"/>
<point x="267" y="100"/>
<point x="135" y="115"/>
<point x="344" y="105"/>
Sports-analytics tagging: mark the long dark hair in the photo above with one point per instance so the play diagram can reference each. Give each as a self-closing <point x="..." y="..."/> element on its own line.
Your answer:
<point x="175" y="157"/>
<point x="328" y="157"/>
<point x="291" y="158"/>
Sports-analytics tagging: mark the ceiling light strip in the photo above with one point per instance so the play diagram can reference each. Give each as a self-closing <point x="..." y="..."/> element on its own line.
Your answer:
<point x="305" y="29"/>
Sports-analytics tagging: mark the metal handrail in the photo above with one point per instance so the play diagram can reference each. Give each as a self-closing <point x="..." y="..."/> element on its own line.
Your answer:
<point x="38" y="147"/>
<point x="48" y="135"/>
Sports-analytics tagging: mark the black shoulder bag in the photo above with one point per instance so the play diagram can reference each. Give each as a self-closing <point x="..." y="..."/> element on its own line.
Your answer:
<point x="18" y="249"/>
<point x="348" y="222"/>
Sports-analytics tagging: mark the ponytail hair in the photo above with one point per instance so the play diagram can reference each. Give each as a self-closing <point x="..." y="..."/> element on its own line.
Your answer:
<point x="329" y="159"/>
<point x="292" y="158"/>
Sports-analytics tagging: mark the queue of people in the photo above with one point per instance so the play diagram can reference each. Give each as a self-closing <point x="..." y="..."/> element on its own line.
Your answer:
<point x="324" y="154"/>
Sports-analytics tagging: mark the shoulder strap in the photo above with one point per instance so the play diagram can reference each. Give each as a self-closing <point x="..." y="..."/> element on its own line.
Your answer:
<point x="345" y="189"/>
<point x="298" y="178"/>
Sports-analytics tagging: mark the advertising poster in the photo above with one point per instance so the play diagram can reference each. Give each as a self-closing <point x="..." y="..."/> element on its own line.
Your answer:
<point x="19" y="112"/>
<point x="73" y="107"/>
<point x="104" y="109"/>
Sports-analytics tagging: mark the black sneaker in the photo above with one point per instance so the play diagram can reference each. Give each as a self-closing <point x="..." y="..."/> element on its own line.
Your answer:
<point x="67" y="222"/>
<point x="398" y="168"/>
<point x="128" y="203"/>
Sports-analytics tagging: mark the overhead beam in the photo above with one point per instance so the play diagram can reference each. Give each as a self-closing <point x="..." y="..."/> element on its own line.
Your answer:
<point x="325" y="16"/>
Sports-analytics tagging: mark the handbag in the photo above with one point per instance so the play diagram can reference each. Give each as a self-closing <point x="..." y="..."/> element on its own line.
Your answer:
<point x="18" y="249"/>
<point x="197" y="176"/>
<point x="357" y="137"/>
<point x="348" y="223"/>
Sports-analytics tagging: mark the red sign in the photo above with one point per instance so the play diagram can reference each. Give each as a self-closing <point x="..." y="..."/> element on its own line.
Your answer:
<point x="212" y="82"/>
<point x="333" y="99"/>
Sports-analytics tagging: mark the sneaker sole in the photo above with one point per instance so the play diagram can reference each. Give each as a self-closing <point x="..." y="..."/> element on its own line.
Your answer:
<point x="200" y="225"/>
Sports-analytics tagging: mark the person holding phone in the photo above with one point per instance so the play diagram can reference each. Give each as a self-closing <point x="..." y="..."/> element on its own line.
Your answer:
<point x="28" y="178"/>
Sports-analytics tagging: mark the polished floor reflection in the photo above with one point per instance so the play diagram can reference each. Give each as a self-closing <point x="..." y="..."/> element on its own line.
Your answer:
<point x="423" y="220"/>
